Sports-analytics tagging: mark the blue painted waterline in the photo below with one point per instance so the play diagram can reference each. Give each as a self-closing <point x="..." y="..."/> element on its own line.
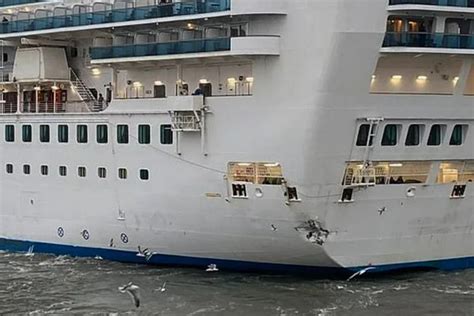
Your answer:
<point x="232" y="265"/>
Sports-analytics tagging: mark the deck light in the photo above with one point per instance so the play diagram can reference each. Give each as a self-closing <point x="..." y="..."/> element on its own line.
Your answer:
<point x="373" y="77"/>
<point x="137" y="84"/>
<point x="244" y="164"/>
<point x="456" y="79"/>
<point x="37" y="88"/>
<point x="249" y="79"/>
<point x="95" y="71"/>
<point x="397" y="77"/>
<point x="276" y="164"/>
<point x="203" y="81"/>
<point x="396" y="165"/>
<point x="159" y="83"/>
<point x="422" y="78"/>
<point x="55" y="87"/>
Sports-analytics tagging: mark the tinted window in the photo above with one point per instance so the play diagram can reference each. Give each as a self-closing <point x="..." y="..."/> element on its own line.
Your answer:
<point x="166" y="134"/>
<point x="26" y="133"/>
<point x="457" y="138"/>
<point x="122" y="173"/>
<point x="81" y="172"/>
<point x="413" y="136"/>
<point x="44" y="133"/>
<point x="102" y="134"/>
<point x="9" y="133"/>
<point x="9" y="168"/>
<point x="82" y="134"/>
<point x="102" y="172"/>
<point x="144" y="174"/>
<point x="26" y="169"/>
<point x="390" y="135"/>
<point x="122" y="134"/>
<point x="435" y="136"/>
<point x="44" y="170"/>
<point x="63" y="171"/>
<point x="63" y="133"/>
<point x="363" y="136"/>
<point x="144" y="134"/>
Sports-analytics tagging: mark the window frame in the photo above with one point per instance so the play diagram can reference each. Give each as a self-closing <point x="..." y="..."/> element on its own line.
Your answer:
<point x="147" y="171"/>
<point x="9" y="131"/>
<point x="24" y="133"/>
<point x="44" y="170"/>
<point x="100" y="174"/>
<point x="123" y="139"/>
<point x="79" y="135"/>
<point x="60" y="169"/>
<point x="9" y="168"/>
<point x="81" y="171"/>
<point x="442" y="132"/>
<point x="119" y="170"/>
<point x="164" y="129"/>
<point x="26" y="169"/>
<point x="419" y="133"/>
<point x="144" y="130"/>
<point x="105" y="139"/>
<point x="463" y="130"/>
<point x="63" y="138"/>
<point x="44" y="133"/>
<point x="397" y="136"/>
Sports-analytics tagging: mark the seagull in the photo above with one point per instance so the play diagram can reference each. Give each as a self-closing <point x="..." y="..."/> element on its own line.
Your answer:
<point x="163" y="287"/>
<point x="212" y="268"/>
<point x="146" y="253"/>
<point x="382" y="210"/>
<point x="133" y="291"/>
<point x="359" y="273"/>
<point x="30" y="253"/>
<point x="274" y="228"/>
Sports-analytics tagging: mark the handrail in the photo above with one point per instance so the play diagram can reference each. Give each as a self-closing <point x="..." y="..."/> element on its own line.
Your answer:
<point x="448" y="3"/>
<point x="429" y="40"/>
<point x="115" y="15"/>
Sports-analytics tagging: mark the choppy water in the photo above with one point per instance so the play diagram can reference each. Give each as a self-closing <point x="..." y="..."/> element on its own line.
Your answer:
<point x="41" y="284"/>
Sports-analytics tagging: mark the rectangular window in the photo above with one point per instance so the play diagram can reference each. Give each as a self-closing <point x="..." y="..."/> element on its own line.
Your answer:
<point x="363" y="136"/>
<point x="82" y="134"/>
<point x="44" y="170"/>
<point x="9" y="168"/>
<point x="102" y="172"/>
<point x="26" y="169"/>
<point x="102" y="134"/>
<point x="166" y="134"/>
<point x="9" y="133"/>
<point x="81" y="172"/>
<point x="62" y="171"/>
<point x="144" y="134"/>
<point x="63" y="133"/>
<point x="122" y="134"/>
<point x="436" y="135"/>
<point x="413" y="136"/>
<point x="26" y="133"/>
<point x="390" y="135"/>
<point x="122" y="173"/>
<point x="144" y="174"/>
<point x="44" y="134"/>
<point x="457" y="137"/>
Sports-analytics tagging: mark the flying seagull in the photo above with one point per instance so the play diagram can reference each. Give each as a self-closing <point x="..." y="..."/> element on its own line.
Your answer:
<point x="134" y="292"/>
<point x="146" y="253"/>
<point x="212" y="268"/>
<point x="360" y="272"/>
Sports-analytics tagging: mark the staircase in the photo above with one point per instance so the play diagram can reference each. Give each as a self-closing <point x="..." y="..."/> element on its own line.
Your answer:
<point x="85" y="93"/>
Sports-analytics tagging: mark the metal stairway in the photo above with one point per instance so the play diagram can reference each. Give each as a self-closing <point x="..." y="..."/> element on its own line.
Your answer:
<point x="85" y="93"/>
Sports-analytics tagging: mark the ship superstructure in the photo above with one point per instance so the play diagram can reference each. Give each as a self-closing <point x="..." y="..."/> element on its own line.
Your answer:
<point x="268" y="135"/>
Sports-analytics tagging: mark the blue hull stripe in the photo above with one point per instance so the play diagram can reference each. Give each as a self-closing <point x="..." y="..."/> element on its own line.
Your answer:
<point x="244" y="266"/>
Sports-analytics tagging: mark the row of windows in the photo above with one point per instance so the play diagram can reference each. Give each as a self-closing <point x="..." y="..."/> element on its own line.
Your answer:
<point x="122" y="173"/>
<point x="414" y="136"/>
<point x="82" y="134"/>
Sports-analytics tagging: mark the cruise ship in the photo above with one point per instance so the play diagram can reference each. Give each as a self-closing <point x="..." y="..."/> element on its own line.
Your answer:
<point x="314" y="136"/>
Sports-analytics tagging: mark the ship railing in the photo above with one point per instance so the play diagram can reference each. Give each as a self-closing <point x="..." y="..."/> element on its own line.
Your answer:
<point x="186" y="121"/>
<point x="429" y="40"/>
<point x="449" y="3"/>
<point x="116" y="15"/>
<point x="8" y="107"/>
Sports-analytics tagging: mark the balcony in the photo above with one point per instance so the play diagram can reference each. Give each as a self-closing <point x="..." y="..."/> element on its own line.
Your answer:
<point x="447" y="3"/>
<point x="7" y="3"/>
<point x="200" y="48"/>
<point x="114" y="16"/>
<point x="429" y="43"/>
